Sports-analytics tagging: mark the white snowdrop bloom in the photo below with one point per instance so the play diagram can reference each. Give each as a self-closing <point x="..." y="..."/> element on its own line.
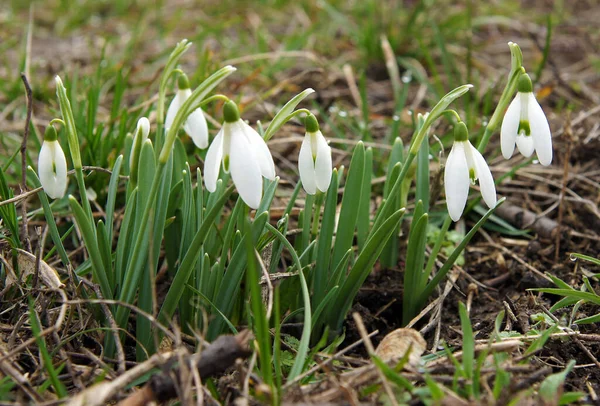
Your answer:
<point x="141" y="134"/>
<point x="314" y="161"/>
<point x="526" y="125"/>
<point x="464" y="166"/>
<point x="195" y="125"/>
<point x="241" y="150"/>
<point x="52" y="165"/>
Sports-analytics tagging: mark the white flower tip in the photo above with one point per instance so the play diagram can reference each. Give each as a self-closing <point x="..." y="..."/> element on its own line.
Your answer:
<point x="230" y="68"/>
<point x="58" y="80"/>
<point x="144" y="124"/>
<point x="469" y="85"/>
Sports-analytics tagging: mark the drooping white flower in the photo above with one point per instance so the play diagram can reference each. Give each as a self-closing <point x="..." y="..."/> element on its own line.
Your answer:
<point x="526" y="125"/>
<point x="464" y="166"/>
<point x="195" y="125"/>
<point x="241" y="150"/>
<point x="314" y="161"/>
<point x="141" y="134"/>
<point x="52" y="165"/>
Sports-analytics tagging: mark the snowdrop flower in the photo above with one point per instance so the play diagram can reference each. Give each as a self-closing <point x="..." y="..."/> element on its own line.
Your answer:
<point x="241" y="150"/>
<point x="314" y="161"/>
<point x="141" y="134"/>
<point x="195" y="125"/>
<point x="465" y="165"/>
<point x="526" y="125"/>
<point x="52" y="165"/>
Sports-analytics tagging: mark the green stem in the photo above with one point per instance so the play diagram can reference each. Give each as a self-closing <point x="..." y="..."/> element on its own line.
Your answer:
<point x="210" y="99"/>
<point x="503" y="103"/>
<point x="83" y="193"/>
<point x="297" y="113"/>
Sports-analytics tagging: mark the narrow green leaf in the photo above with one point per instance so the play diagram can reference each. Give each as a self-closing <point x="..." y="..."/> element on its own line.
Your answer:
<point x="261" y="324"/>
<point x="468" y="354"/>
<point x="282" y="115"/>
<point x="113" y="184"/>
<point x="349" y="209"/>
<point x="36" y="328"/>
<point x="362" y="268"/>
<point x="89" y="238"/>
<point x="188" y="262"/>
<point x="452" y="258"/>
<point x="413" y="273"/>
<point x="306" y="329"/>
<point x="324" y="242"/>
<point x="363" y="222"/>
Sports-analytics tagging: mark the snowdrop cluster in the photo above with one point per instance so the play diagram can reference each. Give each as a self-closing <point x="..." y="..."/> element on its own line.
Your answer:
<point x="237" y="149"/>
<point x="524" y="125"/>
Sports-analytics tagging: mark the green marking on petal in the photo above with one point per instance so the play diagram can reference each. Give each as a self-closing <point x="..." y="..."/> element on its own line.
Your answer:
<point x="226" y="163"/>
<point x="472" y="176"/>
<point x="524" y="128"/>
<point x="54" y="167"/>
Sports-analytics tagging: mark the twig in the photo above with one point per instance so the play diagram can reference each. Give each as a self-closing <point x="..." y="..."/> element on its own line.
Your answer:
<point x="29" y="94"/>
<point x="216" y="358"/>
<point x="523" y="218"/>
<point x="114" y="328"/>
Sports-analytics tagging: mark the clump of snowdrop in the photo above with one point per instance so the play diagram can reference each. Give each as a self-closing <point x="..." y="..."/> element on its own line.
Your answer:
<point x="239" y="149"/>
<point x="464" y="166"/>
<point x="52" y="165"/>
<point x="526" y="125"/>
<point x="195" y="125"/>
<point x="314" y="161"/>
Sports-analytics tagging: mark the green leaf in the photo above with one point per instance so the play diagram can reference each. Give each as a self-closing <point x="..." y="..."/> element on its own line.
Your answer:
<point x="260" y="322"/>
<point x="457" y="251"/>
<point x="413" y="274"/>
<point x="283" y="115"/>
<point x="361" y="269"/>
<point x="111" y="196"/>
<point x="188" y="262"/>
<point x="36" y="328"/>
<point x="551" y="387"/>
<point x="468" y="349"/>
<point x="363" y="222"/>
<point x="306" y="329"/>
<point x="349" y="209"/>
<point x="89" y="238"/>
<point x="324" y="242"/>
<point x="571" y="293"/>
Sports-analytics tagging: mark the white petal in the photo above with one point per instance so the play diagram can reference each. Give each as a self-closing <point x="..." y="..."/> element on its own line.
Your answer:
<point x="52" y="169"/>
<point x="323" y="165"/>
<point x="306" y="167"/>
<point x="144" y="125"/>
<point x="212" y="164"/>
<point x="484" y="175"/>
<point x="510" y="126"/>
<point x="525" y="145"/>
<point x="456" y="181"/>
<point x="261" y="152"/>
<point x="196" y="127"/>
<point x="172" y="110"/>
<point x="245" y="170"/>
<point x="540" y="132"/>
